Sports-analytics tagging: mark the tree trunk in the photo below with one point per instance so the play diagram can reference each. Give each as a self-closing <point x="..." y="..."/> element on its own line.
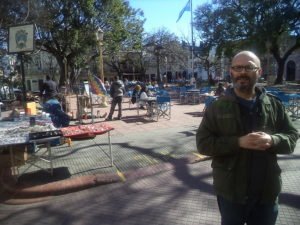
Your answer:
<point x="281" y="60"/>
<point x="280" y="71"/>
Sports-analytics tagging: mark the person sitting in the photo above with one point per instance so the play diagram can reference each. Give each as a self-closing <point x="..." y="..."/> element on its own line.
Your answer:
<point x="58" y="117"/>
<point x="135" y="93"/>
<point x="220" y="90"/>
<point x="144" y="97"/>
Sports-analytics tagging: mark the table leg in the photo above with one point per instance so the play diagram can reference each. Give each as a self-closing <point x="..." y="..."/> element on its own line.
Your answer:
<point x="110" y="149"/>
<point x="12" y="161"/>
<point x="50" y="156"/>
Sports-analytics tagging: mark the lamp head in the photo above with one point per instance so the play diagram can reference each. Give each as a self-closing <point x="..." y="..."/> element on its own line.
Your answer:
<point x="99" y="34"/>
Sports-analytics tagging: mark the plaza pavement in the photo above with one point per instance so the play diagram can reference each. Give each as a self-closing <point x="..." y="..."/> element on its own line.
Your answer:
<point x="157" y="178"/>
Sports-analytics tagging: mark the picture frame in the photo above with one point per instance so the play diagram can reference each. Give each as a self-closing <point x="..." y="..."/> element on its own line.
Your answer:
<point x="21" y="38"/>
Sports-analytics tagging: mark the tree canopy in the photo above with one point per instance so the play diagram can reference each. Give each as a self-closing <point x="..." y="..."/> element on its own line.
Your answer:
<point x="166" y="46"/>
<point x="260" y="26"/>
<point x="66" y="28"/>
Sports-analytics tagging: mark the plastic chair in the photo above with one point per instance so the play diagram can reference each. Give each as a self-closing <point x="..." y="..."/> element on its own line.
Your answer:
<point x="290" y="104"/>
<point x="163" y="107"/>
<point x="162" y="93"/>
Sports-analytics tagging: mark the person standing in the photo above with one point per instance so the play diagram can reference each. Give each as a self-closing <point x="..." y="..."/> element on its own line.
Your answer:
<point x="49" y="89"/>
<point x="117" y="91"/>
<point x="243" y="132"/>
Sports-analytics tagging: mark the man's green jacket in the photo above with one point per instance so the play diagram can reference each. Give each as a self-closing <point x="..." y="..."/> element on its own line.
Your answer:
<point x="218" y="135"/>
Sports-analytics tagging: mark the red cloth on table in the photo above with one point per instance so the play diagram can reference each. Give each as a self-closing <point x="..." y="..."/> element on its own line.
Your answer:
<point x="85" y="130"/>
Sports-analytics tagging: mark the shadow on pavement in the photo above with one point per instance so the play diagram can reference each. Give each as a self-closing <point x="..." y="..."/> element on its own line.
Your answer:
<point x="41" y="177"/>
<point x="290" y="200"/>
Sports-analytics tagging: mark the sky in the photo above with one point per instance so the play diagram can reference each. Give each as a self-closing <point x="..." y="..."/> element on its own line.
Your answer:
<point x="164" y="13"/>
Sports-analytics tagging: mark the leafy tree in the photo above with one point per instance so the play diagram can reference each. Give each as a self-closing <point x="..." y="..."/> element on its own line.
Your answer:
<point x="233" y="24"/>
<point x="66" y="29"/>
<point x="162" y="44"/>
<point x="127" y="38"/>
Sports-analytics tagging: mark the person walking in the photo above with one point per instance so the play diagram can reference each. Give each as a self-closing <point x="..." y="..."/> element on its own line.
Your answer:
<point x="117" y="91"/>
<point x="49" y="89"/>
<point x="243" y="132"/>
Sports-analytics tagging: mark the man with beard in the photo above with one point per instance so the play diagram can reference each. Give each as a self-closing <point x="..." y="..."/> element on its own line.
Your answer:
<point x="244" y="131"/>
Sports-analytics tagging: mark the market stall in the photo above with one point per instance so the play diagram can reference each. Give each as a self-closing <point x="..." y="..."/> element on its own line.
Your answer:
<point x="19" y="140"/>
<point x="26" y="142"/>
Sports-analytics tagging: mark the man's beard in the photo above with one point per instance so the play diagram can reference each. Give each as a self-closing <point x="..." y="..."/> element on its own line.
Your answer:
<point x="244" y="87"/>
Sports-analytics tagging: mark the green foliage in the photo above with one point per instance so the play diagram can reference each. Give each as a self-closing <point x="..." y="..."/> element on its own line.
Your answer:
<point x="169" y="46"/>
<point x="66" y="28"/>
<point x="231" y="25"/>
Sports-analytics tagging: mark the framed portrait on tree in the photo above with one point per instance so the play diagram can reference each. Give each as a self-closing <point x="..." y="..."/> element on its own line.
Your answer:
<point x="21" y="38"/>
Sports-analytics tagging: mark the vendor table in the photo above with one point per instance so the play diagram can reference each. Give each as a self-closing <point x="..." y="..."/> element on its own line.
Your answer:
<point x="86" y="130"/>
<point x="45" y="156"/>
<point x="16" y="133"/>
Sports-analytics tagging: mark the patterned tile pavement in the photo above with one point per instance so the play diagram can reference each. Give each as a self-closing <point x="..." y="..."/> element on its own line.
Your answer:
<point x="162" y="184"/>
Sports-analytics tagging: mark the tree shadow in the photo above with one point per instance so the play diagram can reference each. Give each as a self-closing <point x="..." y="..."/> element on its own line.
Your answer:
<point x="289" y="199"/>
<point x="195" y="114"/>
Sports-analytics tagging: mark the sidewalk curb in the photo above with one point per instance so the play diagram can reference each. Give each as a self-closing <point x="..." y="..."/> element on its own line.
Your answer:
<point x="16" y="195"/>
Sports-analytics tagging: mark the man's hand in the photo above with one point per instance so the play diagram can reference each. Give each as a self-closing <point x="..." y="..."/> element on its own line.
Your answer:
<point x="256" y="141"/>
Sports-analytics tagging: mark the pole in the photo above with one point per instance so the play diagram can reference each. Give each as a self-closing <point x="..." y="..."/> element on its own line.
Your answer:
<point x="66" y="74"/>
<point x="157" y="64"/>
<point x="20" y="56"/>
<point x="104" y="102"/>
<point x="166" y="59"/>
<point x="192" y="33"/>
<point x="101" y="61"/>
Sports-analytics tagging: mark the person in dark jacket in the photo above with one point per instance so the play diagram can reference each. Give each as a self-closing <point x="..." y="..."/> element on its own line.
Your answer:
<point x="58" y="117"/>
<point x="243" y="132"/>
<point x="49" y="89"/>
<point x="117" y="91"/>
<point x="220" y="90"/>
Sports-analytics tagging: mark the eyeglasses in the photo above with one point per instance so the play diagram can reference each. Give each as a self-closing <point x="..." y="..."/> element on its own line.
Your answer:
<point x="246" y="68"/>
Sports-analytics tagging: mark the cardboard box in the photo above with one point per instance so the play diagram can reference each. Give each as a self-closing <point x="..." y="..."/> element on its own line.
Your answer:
<point x="19" y="154"/>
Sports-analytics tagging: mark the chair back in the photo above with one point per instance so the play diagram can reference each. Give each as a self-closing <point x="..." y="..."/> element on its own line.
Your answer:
<point x="205" y="89"/>
<point x="163" y="99"/>
<point x="182" y="89"/>
<point x="163" y="107"/>
<point x="162" y="93"/>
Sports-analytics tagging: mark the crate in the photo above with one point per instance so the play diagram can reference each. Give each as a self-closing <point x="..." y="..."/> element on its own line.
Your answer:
<point x="76" y="105"/>
<point x="19" y="153"/>
<point x="71" y="106"/>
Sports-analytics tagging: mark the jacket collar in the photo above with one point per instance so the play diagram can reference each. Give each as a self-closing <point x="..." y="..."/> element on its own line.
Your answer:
<point x="260" y="92"/>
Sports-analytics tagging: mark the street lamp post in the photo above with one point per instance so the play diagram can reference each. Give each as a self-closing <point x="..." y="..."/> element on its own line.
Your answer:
<point x="99" y="37"/>
<point x="65" y="61"/>
<point x="157" y="49"/>
<point x="166" y="61"/>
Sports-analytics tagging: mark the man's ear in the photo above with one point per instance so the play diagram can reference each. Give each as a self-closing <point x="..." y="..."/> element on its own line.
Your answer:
<point x="260" y="72"/>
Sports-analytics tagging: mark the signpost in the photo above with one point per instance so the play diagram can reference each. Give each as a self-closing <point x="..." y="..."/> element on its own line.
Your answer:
<point x="21" y="40"/>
